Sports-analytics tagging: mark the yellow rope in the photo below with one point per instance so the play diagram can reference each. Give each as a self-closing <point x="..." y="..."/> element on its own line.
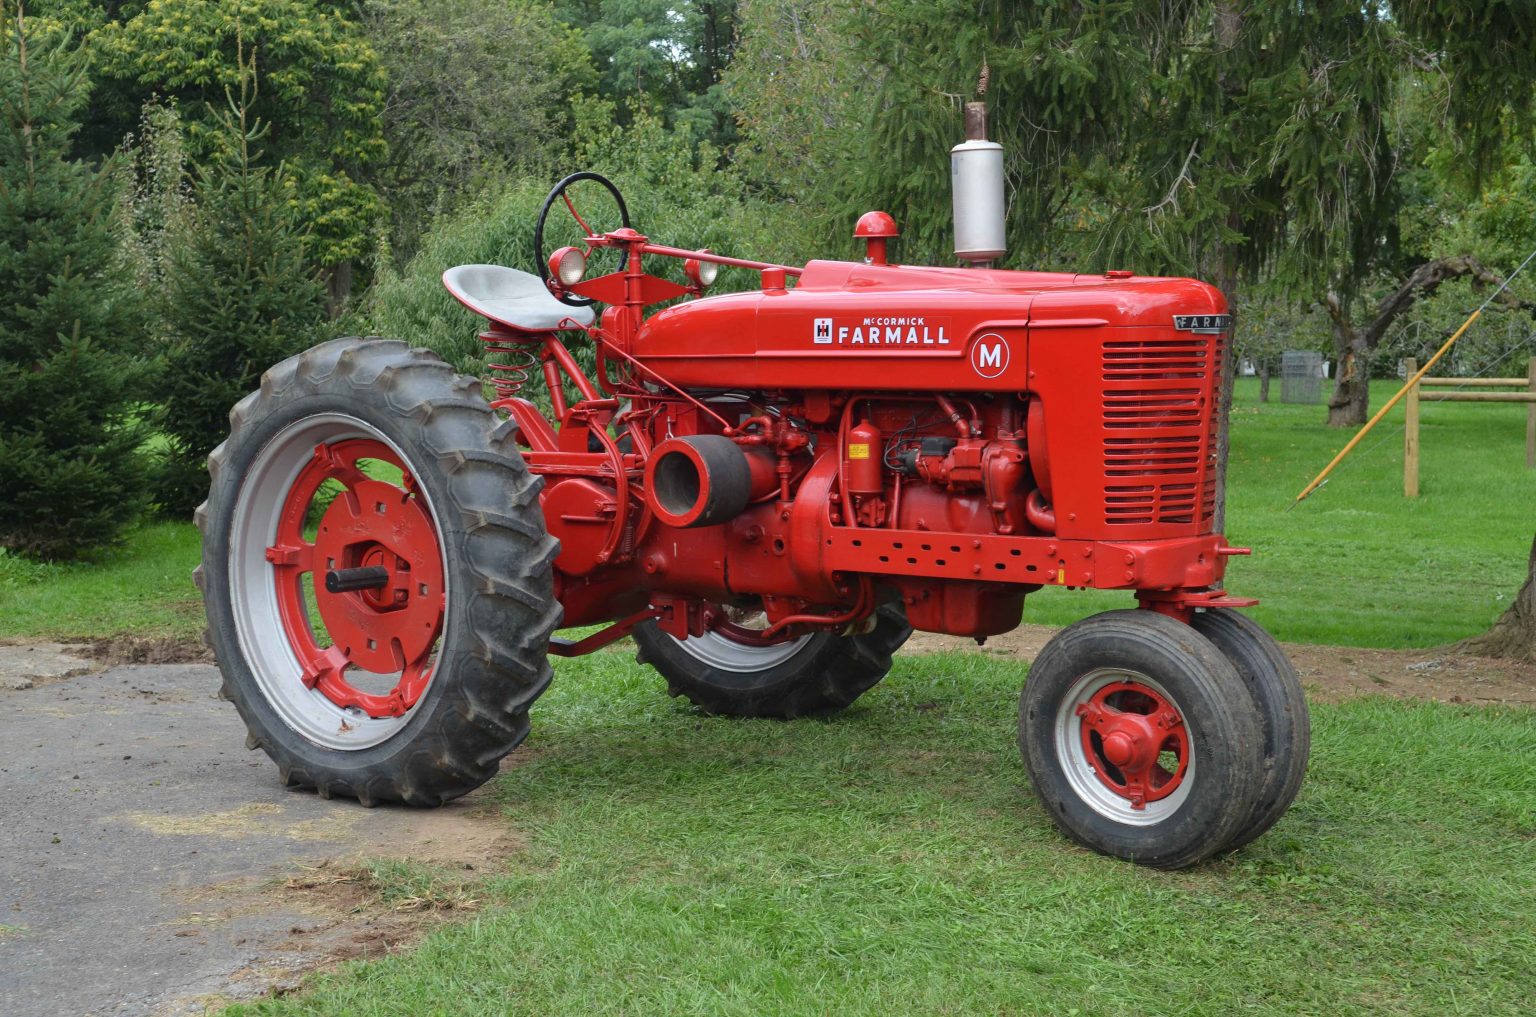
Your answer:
<point x="1318" y="480"/>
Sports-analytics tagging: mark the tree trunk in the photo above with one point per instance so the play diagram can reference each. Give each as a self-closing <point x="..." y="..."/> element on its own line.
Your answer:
<point x="1264" y="380"/>
<point x="338" y="288"/>
<point x="1228" y="30"/>
<point x="1514" y="634"/>
<point x="1352" y="347"/>
<point x="1351" y="399"/>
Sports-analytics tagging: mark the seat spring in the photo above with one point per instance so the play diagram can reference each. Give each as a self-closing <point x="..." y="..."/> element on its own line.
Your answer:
<point x="510" y="360"/>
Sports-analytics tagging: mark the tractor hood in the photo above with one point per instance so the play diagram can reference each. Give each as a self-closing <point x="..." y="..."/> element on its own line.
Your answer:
<point x="905" y="328"/>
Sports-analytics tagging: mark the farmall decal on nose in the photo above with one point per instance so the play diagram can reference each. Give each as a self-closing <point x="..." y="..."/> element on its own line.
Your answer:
<point x="768" y="490"/>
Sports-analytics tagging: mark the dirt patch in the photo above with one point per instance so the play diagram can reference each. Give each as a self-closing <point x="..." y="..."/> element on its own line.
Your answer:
<point x="1329" y="673"/>
<point x="112" y="651"/>
<point x="346" y="913"/>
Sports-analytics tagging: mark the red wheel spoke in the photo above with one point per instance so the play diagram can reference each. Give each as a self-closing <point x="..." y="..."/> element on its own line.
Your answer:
<point x="338" y="467"/>
<point x="328" y="665"/>
<point x="298" y="557"/>
<point x="413" y="682"/>
<point x="1167" y="719"/>
<point x="376" y="629"/>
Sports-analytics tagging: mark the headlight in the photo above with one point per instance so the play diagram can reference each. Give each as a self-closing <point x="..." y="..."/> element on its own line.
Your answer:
<point x="568" y="265"/>
<point x="702" y="273"/>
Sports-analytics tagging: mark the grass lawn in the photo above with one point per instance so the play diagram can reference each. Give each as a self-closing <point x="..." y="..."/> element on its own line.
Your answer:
<point x="1356" y="564"/>
<point x="892" y="860"/>
<point x="143" y="588"/>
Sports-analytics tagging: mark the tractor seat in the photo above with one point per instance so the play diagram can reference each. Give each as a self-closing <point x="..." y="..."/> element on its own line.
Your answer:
<point x="512" y="298"/>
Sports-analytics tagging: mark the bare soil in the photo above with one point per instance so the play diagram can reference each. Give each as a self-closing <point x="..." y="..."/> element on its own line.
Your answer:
<point x="1329" y="674"/>
<point x="111" y="651"/>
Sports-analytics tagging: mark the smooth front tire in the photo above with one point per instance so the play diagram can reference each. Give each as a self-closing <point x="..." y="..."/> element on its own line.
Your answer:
<point x="1282" y="713"/>
<point x="1140" y="739"/>
<point x="376" y="575"/>
<point x="729" y="672"/>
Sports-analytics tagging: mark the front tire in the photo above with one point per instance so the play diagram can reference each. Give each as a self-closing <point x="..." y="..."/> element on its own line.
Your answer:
<point x="365" y="461"/>
<point x="727" y="672"/>
<point x="1140" y="739"/>
<point x="1282" y="713"/>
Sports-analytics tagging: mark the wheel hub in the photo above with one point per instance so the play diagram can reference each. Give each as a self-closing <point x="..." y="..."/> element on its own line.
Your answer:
<point x="375" y="576"/>
<point x="1135" y="741"/>
<point x="375" y="524"/>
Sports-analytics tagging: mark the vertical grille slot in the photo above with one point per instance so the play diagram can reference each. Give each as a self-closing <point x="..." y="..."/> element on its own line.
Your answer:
<point x="1159" y="427"/>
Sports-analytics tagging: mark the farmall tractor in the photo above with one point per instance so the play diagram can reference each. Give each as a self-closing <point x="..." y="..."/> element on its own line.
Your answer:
<point x="768" y="490"/>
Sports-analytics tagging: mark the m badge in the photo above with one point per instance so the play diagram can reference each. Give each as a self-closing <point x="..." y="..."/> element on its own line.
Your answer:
<point x="989" y="355"/>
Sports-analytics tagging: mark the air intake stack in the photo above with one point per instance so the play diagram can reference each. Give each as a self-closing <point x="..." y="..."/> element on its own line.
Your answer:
<point x="976" y="175"/>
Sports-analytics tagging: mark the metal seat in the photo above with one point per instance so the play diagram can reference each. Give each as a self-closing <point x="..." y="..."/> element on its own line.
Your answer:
<point x="518" y="300"/>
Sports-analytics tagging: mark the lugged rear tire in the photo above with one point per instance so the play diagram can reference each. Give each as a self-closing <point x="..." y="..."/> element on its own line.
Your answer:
<point x="468" y="703"/>
<point x="814" y="674"/>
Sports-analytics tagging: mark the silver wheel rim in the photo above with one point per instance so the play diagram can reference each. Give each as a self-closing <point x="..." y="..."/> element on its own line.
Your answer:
<point x="1079" y="769"/>
<point x="726" y="654"/>
<point x="259" y="629"/>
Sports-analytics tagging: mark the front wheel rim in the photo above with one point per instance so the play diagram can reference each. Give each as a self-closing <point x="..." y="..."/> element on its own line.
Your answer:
<point x="343" y="669"/>
<point x="1125" y="747"/>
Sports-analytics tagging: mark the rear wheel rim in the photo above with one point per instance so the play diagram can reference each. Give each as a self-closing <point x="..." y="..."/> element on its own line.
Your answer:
<point x="1125" y="747"/>
<point x="345" y="669"/>
<point x="737" y="646"/>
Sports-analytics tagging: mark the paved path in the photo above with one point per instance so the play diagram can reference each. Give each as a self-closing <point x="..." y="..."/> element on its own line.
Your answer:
<point x="143" y="849"/>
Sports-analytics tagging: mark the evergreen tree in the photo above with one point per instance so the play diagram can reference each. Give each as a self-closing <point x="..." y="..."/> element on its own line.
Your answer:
<point x="238" y="297"/>
<point x="70" y="470"/>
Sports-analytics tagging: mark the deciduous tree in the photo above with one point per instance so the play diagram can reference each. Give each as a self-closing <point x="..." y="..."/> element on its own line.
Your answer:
<point x="322" y="92"/>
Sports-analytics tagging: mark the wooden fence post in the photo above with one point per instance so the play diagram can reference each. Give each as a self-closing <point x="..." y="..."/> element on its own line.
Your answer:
<point x="1411" y="437"/>
<point x="1530" y="422"/>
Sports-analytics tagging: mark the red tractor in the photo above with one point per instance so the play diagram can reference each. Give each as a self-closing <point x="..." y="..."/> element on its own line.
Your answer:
<point x="768" y="490"/>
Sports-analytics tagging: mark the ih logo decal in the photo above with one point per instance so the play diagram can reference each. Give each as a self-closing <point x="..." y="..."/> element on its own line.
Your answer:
<point x="823" y="333"/>
<point x="989" y="355"/>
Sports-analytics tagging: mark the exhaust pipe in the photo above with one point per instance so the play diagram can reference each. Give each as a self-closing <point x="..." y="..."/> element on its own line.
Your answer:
<point x="976" y="176"/>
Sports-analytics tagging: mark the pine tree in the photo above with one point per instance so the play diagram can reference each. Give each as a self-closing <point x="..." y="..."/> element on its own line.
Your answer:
<point x="70" y="375"/>
<point x="238" y="297"/>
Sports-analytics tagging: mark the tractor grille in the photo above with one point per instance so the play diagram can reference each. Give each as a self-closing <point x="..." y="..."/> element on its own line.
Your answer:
<point x="1159" y="432"/>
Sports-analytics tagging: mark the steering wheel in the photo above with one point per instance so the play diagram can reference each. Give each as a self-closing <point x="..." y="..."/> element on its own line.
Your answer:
<point x="541" y="257"/>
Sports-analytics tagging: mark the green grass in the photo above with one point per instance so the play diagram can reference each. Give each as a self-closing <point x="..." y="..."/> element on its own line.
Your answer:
<point x="1357" y="564"/>
<point x="143" y="588"/>
<point x="892" y="860"/>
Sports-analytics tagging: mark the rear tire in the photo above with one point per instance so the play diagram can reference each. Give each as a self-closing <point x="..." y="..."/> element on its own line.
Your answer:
<point x="809" y="674"/>
<point x="1283" y="715"/>
<point x="462" y="629"/>
<point x="1140" y="739"/>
